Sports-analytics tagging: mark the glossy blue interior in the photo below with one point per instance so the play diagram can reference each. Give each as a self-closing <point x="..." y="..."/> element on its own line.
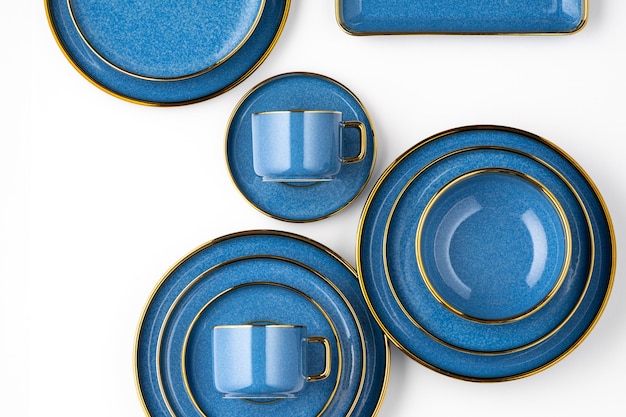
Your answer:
<point x="461" y="16"/>
<point x="493" y="245"/>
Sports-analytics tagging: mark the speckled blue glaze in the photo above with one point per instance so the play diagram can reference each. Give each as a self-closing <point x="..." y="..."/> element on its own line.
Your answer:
<point x="250" y="304"/>
<point x="493" y="245"/>
<point x="219" y="265"/>
<point x="416" y="342"/>
<point x="260" y="361"/>
<point x="185" y="91"/>
<point x="304" y="202"/>
<point x="410" y="288"/>
<point x="293" y="146"/>
<point x="461" y="16"/>
<point x="164" y="38"/>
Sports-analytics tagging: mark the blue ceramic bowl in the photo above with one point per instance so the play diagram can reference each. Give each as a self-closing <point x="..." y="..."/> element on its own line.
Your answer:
<point x="493" y="245"/>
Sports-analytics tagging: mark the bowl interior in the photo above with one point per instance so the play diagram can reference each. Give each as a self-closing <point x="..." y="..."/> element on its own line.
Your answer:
<point x="493" y="245"/>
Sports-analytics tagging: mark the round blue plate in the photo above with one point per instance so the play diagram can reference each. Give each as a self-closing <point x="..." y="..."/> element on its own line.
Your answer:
<point x="298" y="202"/>
<point x="431" y="316"/>
<point x="247" y="290"/>
<point x="164" y="40"/>
<point x="218" y="253"/>
<point x="189" y="84"/>
<point x="421" y="346"/>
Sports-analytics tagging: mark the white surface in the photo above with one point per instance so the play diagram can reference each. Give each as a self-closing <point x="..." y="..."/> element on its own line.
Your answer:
<point x="100" y="196"/>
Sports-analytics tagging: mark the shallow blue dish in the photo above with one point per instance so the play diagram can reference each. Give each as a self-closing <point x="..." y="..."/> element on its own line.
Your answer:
<point x="493" y="245"/>
<point x="421" y="346"/>
<point x="299" y="202"/>
<point x="371" y="17"/>
<point x="173" y="80"/>
<point x="300" y="255"/>
<point x="406" y="280"/>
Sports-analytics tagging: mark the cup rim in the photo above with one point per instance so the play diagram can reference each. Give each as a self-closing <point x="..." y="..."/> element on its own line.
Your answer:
<point x="296" y="111"/>
<point x="261" y="325"/>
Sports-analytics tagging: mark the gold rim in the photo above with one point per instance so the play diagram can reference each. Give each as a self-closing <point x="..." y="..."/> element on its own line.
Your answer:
<point x="229" y="87"/>
<point x="575" y="165"/>
<point x="176" y="78"/>
<point x="260" y="232"/>
<point x="263" y="83"/>
<point x="564" y="267"/>
<point x="208" y="304"/>
<point x="495" y="352"/>
<point x="342" y="25"/>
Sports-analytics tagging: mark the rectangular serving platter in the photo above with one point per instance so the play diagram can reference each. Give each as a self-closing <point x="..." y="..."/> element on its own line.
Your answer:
<point x="479" y="17"/>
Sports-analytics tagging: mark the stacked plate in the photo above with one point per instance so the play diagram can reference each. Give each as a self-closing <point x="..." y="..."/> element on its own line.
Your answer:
<point x="249" y="277"/>
<point x="164" y="52"/>
<point x="485" y="253"/>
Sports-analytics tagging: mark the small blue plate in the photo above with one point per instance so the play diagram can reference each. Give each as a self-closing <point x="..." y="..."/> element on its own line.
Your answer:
<point x="252" y="289"/>
<point x="298" y="202"/>
<point x="375" y="17"/>
<point x="301" y="256"/>
<point x="181" y="78"/>
<point x="417" y="343"/>
<point x="444" y="325"/>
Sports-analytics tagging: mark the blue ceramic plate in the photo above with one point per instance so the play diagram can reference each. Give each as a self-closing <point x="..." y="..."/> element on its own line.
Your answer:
<point x="371" y="17"/>
<point x="301" y="255"/>
<point x="457" y="331"/>
<point x="139" y="71"/>
<point x="300" y="202"/>
<point x="247" y="290"/>
<point x="165" y="40"/>
<point x="416" y="342"/>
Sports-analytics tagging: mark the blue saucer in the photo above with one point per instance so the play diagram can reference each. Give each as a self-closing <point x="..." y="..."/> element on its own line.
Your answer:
<point x="375" y="17"/>
<point x="444" y="325"/>
<point x="298" y="202"/>
<point x="421" y="346"/>
<point x="181" y="296"/>
<point x="192" y="80"/>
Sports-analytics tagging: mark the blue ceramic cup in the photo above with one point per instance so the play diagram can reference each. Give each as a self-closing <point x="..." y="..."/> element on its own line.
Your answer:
<point x="301" y="145"/>
<point x="264" y="360"/>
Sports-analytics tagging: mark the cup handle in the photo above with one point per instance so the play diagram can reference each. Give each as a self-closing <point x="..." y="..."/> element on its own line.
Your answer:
<point x="327" y="357"/>
<point x="363" y="148"/>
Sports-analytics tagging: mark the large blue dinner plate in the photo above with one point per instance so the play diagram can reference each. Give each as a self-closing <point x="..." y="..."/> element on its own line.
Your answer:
<point x="431" y="316"/>
<point x="372" y="17"/>
<point x="423" y="347"/>
<point x="184" y="293"/>
<point x="142" y="74"/>
<point x="254" y="289"/>
<point x="309" y="201"/>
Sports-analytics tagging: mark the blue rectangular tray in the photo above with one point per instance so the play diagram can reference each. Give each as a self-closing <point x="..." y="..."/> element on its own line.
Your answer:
<point x="378" y="17"/>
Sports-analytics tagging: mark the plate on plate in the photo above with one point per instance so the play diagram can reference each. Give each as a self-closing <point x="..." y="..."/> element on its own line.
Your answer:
<point x="151" y="55"/>
<point x="376" y="17"/>
<point x="295" y="252"/>
<point x="259" y="289"/>
<point x="299" y="202"/>
<point x="421" y="346"/>
<point x="499" y="257"/>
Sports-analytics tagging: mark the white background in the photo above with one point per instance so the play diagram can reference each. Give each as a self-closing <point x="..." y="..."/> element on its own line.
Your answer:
<point x="99" y="197"/>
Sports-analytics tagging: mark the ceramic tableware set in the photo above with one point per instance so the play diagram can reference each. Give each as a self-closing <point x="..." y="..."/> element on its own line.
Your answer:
<point x="483" y="252"/>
